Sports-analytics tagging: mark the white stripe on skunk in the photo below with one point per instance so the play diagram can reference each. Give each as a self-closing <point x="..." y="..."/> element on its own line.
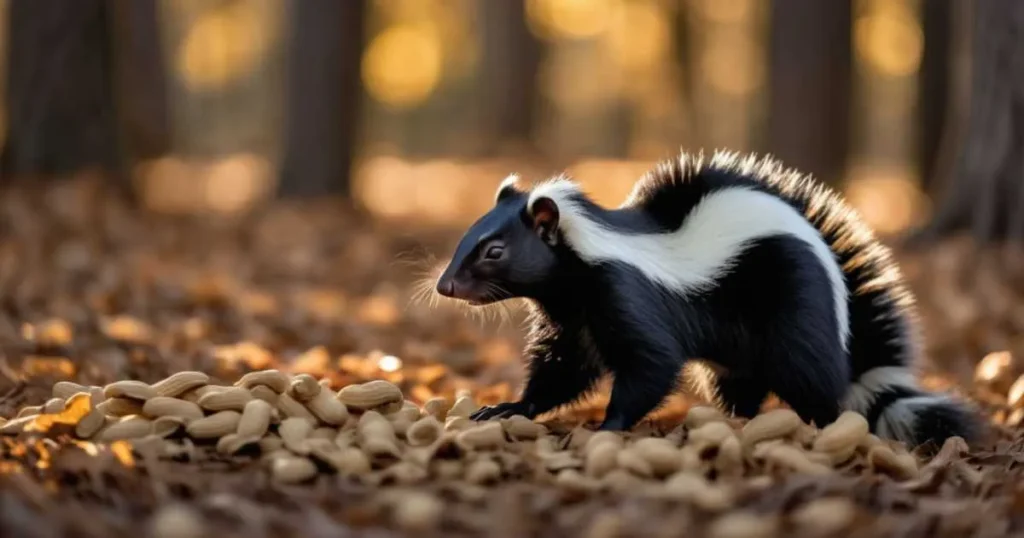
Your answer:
<point x="693" y="258"/>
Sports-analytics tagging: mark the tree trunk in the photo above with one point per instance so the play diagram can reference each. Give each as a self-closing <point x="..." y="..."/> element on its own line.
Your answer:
<point x="511" y="58"/>
<point x="139" y="86"/>
<point x="985" y="194"/>
<point x="809" y="103"/>
<point x="323" y="95"/>
<point x="933" y="88"/>
<point x="59" y="101"/>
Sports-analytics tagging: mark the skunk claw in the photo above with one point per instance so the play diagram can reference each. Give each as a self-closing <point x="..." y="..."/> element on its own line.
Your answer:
<point x="501" y="410"/>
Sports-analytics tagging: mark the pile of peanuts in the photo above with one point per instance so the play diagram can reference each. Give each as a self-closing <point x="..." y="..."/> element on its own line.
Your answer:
<point x="300" y="428"/>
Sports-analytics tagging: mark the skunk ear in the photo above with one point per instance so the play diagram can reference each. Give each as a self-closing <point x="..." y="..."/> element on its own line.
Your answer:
<point x="544" y="212"/>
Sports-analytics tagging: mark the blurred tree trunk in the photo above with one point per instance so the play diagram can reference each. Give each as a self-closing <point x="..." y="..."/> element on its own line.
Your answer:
<point x="511" y="59"/>
<point x="933" y="88"/>
<point x="985" y="192"/>
<point x="85" y="88"/>
<point x="140" y="78"/>
<point x="323" y="97"/>
<point x="810" y="70"/>
<point x="140" y="84"/>
<point x="59" y="101"/>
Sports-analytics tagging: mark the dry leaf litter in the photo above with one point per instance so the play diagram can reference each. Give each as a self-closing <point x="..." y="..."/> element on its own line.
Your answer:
<point x="255" y="378"/>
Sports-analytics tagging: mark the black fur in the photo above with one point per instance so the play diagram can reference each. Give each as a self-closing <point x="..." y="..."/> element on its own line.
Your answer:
<point x="770" y="322"/>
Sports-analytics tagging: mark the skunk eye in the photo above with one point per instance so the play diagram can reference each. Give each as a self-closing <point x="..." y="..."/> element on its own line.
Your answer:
<point x="493" y="253"/>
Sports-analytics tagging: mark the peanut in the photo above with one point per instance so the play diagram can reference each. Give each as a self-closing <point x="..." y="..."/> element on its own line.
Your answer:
<point x="558" y="461"/>
<point x="130" y="427"/>
<point x="29" y="411"/>
<point x="771" y="425"/>
<point x="275" y="380"/>
<point x="121" y="407"/>
<point x="603" y="437"/>
<point x="882" y="458"/>
<point x="165" y="406"/>
<point x="216" y="425"/>
<point x="794" y="459"/>
<point x="327" y="408"/>
<point x="662" y="457"/>
<point x="520" y="428"/>
<point x="130" y="388"/>
<point x="193" y="395"/>
<point x="376" y="435"/>
<point x="304" y="388"/>
<point x="601" y="459"/>
<point x="371" y="395"/>
<point x="700" y="415"/>
<point x="255" y="419"/>
<point x="454" y="424"/>
<point x="710" y="434"/>
<point x="348" y="461"/>
<point x="622" y="481"/>
<point x="483" y="471"/>
<point x="630" y="460"/>
<point x="437" y="408"/>
<point x="265" y="393"/>
<point x="270" y="443"/>
<point x="424" y="431"/>
<point x="447" y="469"/>
<point x="824" y="517"/>
<point x="572" y="480"/>
<point x="487" y="435"/>
<point x="231" y="399"/>
<point x="743" y="525"/>
<point x="90" y="424"/>
<point x="294" y="431"/>
<point x="16" y="425"/>
<point x="290" y="408"/>
<point x="292" y="469"/>
<point x="729" y="460"/>
<point x="180" y="383"/>
<point x="232" y="443"/>
<point x="405" y="472"/>
<point x="464" y="407"/>
<point x="53" y="406"/>
<point x="418" y="512"/>
<point x="324" y="432"/>
<point x="167" y="425"/>
<point x="845" y="432"/>
<point x="64" y="389"/>
<point x="696" y="490"/>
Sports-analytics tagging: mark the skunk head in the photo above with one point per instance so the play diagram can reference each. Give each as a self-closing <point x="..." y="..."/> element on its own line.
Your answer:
<point x="509" y="252"/>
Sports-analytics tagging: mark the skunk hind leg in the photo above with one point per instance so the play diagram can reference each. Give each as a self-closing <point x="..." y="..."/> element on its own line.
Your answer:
<point x="741" y="394"/>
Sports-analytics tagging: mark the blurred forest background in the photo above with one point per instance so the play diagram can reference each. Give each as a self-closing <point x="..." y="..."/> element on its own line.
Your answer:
<point x="415" y="109"/>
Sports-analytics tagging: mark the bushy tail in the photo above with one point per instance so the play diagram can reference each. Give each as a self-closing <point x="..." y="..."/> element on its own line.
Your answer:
<point x="898" y="408"/>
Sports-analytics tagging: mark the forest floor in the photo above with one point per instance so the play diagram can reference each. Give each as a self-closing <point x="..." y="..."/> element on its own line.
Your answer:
<point x="93" y="293"/>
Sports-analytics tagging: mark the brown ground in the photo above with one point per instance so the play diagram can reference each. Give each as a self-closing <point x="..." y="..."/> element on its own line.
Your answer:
<point x="312" y="289"/>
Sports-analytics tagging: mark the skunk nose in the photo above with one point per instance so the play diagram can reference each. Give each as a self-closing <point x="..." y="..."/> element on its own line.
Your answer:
<point x="446" y="287"/>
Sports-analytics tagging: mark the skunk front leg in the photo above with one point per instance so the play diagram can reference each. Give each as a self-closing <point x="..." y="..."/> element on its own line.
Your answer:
<point x="636" y="393"/>
<point x="558" y="375"/>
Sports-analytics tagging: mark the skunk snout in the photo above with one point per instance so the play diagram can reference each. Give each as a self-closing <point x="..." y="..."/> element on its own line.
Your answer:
<point x="446" y="286"/>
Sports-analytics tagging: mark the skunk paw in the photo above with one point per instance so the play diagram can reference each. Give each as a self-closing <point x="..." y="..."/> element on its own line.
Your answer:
<point x="504" y="410"/>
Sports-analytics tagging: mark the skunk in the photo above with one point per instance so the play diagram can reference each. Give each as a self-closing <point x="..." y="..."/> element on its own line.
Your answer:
<point x="737" y="261"/>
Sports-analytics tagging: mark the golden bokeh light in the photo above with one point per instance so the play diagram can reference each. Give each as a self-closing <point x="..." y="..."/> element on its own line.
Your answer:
<point x="888" y="198"/>
<point x="724" y="11"/>
<point x="889" y="39"/>
<point x="638" y="38"/>
<point x="733" y="63"/>
<point x="389" y="363"/>
<point x="402" y="65"/>
<point x="568" y="19"/>
<point x="230" y="184"/>
<point x="223" y="45"/>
